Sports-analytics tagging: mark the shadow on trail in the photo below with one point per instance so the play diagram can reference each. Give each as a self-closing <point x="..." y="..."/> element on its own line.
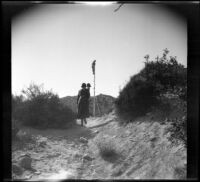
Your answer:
<point x="80" y="131"/>
<point x="71" y="134"/>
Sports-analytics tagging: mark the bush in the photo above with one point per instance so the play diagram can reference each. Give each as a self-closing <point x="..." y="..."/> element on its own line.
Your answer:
<point x="17" y="104"/>
<point x="159" y="85"/>
<point x="15" y="129"/>
<point x="40" y="109"/>
<point x="137" y="97"/>
<point x="107" y="151"/>
<point x="180" y="172"/>
<point x="178" y="127"/>
<point x="25" y="137"/>
<point x="144" y="90"/>
<point x="179" y="130"/>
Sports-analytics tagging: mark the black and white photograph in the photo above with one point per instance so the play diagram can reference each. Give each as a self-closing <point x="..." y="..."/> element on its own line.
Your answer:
<point x="98" y="91"/>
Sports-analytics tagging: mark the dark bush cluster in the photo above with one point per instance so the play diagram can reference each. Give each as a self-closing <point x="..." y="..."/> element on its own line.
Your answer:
<point x="137" y="97"/>
<point x="158" y="81"/>
<point x="145" y="89"/>
<point x="41" y="109"/>
<point x="179" y="130"/>
<point x="178" y="127"/>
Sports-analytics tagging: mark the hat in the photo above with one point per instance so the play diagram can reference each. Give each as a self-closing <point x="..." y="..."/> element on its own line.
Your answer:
<point x="83" y="85"/>
<point x="88" y="85"/>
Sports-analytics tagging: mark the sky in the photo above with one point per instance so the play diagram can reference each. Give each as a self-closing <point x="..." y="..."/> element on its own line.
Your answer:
<point x="55" y="45"/>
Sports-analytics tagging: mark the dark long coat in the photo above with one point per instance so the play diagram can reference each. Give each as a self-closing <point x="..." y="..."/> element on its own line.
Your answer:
<point x="88" y="102"/>
<point x="82" y="102"/>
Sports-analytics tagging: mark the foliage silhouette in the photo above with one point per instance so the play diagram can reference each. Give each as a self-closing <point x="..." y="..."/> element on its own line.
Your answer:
<point x="41" y="109"/>
<point x="159" y="79"/>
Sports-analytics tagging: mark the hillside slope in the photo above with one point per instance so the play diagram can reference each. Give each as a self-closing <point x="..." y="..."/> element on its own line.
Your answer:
<point x="142" y="151"/>
<point x="103" y="150"/>
<point x="104" y="104"/>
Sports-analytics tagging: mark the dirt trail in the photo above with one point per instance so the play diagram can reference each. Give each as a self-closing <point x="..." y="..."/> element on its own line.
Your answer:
<point x="143" y="149"/>
<point x="58" y="153"/>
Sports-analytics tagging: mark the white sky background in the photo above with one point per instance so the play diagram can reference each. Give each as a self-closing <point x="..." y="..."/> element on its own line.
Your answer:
<point x="56" y="44"/>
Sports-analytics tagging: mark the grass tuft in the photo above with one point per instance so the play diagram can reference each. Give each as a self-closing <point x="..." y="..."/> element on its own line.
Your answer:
<point x="108" y="151"/>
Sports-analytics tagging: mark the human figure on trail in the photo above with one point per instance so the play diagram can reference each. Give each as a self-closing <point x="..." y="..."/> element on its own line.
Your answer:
<point x="88" y="101"/>
<point x="82" y="101"/>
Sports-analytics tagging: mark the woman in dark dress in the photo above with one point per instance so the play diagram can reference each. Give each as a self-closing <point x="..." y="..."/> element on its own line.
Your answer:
<point x="88" y="101"/>
<point x="82" y="101"/>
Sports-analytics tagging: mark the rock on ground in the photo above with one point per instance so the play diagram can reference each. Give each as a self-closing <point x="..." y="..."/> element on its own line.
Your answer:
<point x="83" y="140"/>
<point x="25" y="162"/>
<point x="87" y="157"/>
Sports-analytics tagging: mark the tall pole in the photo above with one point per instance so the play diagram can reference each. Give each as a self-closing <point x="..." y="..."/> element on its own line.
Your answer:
<point x="94" y="98"/>
<point x="93" y="69"/>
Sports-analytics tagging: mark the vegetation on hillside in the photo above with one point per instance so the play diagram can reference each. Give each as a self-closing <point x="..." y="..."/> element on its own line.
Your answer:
<point x="104" y="104"/>
<point x="38" y="108"/>
<point x="158" y="86"/>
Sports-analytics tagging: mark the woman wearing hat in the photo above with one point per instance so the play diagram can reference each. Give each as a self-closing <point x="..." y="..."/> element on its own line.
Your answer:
<point x="82" y="101"/>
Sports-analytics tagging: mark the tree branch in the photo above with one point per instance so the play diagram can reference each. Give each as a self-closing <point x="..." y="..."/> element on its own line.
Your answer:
<point x="121" y="4"/>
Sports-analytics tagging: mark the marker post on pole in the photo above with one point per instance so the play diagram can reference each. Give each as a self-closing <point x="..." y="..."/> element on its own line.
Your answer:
<point x="93" y="70"/>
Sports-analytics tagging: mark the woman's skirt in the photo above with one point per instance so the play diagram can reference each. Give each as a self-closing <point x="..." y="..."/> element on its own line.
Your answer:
<point x="82" y="109"/>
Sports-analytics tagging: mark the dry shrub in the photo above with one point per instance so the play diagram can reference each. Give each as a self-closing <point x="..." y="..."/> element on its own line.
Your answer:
<point x="145" y="90"/>
<point x="180" y="173"/>
<point x="108" y="150"/>
<point x="15" y="129"/>
<point x="178" y="130"/>
<point x="41" y="109"/>
<point x="25" y="137"/>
